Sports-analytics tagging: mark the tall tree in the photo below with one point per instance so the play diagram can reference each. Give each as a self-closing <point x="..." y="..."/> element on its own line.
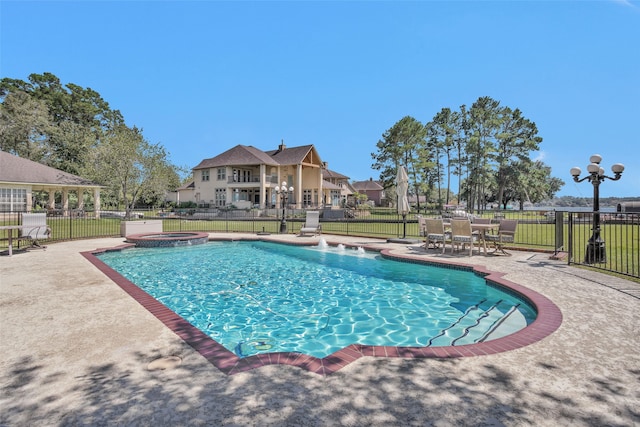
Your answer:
<point x="517" y="137"/>
<point x="398" y="148"/>
<point x="129" y="165"/>
<point x="24" y="126"/>
<point x="78" y="117"/>
<point x="484" y="121"/>
<point x="441" y="131"/>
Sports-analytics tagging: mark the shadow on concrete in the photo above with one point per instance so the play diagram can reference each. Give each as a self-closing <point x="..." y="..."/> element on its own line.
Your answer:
<point x="406" y="392"/>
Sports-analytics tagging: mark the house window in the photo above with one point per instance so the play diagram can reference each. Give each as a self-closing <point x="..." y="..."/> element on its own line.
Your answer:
<point x="307" y="197"/>
<point x="335" y="197"/>
<point x="205" y="175"/>
<point x="242" y="175"/>
<point x="222" y="174"/>
<point x="221" y="197"/>
<point x="13" y="200"/>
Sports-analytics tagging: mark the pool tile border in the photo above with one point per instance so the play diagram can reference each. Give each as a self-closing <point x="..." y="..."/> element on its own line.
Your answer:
<point x="548" y="320"/>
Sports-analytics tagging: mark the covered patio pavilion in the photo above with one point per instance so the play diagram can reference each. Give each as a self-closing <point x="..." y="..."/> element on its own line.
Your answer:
<point x="21" y="178"/>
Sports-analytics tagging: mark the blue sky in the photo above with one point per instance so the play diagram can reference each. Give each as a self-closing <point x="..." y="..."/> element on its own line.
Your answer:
<point x="200" y="77"/>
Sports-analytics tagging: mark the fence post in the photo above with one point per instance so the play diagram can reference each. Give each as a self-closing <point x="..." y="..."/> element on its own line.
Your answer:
<point x="559" y="219"/>
<point x="570" y="235"/>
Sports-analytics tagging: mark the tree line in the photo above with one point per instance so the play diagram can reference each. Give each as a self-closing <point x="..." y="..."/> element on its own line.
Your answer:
<point x="487" y="147"/>
<point x="74" y="129"/>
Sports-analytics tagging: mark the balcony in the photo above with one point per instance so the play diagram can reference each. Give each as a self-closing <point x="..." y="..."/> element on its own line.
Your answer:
<point x="251" y="181"/>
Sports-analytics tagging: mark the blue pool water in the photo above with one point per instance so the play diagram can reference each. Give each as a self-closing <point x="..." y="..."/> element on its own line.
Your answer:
<point x="258" y="297"/>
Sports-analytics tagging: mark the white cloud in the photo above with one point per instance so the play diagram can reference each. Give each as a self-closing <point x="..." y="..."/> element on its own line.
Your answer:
<point x="627" y="3"/>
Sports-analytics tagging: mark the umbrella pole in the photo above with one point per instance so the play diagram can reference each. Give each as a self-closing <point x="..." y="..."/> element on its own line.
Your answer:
<point x="404" y="226"/>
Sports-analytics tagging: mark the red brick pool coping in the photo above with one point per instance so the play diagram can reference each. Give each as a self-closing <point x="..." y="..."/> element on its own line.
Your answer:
<point x="548" y="320"/>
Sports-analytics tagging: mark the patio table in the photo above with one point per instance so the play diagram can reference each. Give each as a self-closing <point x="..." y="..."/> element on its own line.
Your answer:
<point x="483" y="228"/>
<point x="10" y="229"/>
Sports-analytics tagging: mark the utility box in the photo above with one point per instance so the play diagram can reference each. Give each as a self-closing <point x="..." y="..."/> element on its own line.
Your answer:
<point x="128" y="228"/>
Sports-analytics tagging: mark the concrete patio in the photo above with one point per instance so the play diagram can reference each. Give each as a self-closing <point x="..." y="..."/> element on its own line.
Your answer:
<point x="77" y="351"/>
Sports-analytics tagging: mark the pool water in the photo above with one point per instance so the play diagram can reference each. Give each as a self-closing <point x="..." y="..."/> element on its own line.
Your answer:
<point x="260" y="297"/>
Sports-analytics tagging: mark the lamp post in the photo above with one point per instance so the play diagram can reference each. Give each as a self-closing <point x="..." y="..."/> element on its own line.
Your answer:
<point x="596" y="251"/>
<point x="283" y="192"/>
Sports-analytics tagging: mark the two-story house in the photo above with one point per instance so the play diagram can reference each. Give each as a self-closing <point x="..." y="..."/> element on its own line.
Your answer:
<point x="245" y="176"/>
<point x="373" y="189"/>
<point x="336" y="187"/>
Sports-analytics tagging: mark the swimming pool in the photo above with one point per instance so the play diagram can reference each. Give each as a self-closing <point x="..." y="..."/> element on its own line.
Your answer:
<point x="260" y="297"/>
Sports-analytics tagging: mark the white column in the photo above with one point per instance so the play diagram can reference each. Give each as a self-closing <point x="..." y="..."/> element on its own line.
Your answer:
<point x="298" y="188"/>
<point x="80" y="192"/>
<point x="51" y="205"/>
<point x="96" y="202"/>
<point x="65" y="201"/>
<point x="263" y="186"/>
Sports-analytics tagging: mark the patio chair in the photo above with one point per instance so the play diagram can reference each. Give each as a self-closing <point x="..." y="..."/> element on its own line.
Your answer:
<point x="422" y="225"/>
<point x="461" y="234"/>
<point x="435" y="233"/>
<point x="34" y="229"/>
<point x="311" y="224"/>
<point x="482" y="221"/>
<point x="506" y="234"/>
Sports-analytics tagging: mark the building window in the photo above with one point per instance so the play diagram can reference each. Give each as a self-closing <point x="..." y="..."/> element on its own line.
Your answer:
<point x="205" y="175"/>
<point x="13" y="200"/>
<point x="307" y="197"/>
<point x="335" y="197"/>
<point x="222" y="174"/>
<point x="221" y="197"/>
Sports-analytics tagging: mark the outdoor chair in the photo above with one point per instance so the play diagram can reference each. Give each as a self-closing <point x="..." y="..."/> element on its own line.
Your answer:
<point x="422" y="225"/>
<point x="482" y="221"/>
<point x="312" y="224"/>
<point x="34" y="229"/>
<point x="435" y="233"/>
<point x="506" y="234"/>
<point x="461" y="234"/>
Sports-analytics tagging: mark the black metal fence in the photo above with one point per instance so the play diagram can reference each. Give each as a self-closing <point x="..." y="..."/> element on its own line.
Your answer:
<point x="606" y="241"/>
<point x="556" y="231"/>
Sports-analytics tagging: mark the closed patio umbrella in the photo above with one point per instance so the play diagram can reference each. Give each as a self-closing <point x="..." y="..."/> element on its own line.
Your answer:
<point x="402" y="186"/>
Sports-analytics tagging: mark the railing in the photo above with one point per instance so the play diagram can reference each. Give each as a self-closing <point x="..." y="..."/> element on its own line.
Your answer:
<point x="617" y="249"/>
<point x="557" y="232"/>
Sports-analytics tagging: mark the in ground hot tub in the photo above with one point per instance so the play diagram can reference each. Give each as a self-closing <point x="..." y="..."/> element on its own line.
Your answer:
<point x="166" y="239"/>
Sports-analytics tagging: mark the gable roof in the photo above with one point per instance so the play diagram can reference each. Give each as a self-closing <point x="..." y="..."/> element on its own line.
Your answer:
<point x="238" y="155"/>
<point x="293" y="155"/>
<point x="188" y="186"/>
<point x="14" y="169"/>
<point x="326" y="185"/>
<point x="369" y="185"/>
<point x="328" y="173"/>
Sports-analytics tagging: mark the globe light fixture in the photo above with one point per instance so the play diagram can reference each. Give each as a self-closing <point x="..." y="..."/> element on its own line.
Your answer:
<point x="284" y="193"/>
<point x="596" y="250"/>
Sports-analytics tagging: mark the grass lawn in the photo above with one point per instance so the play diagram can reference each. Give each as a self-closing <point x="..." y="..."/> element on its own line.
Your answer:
<point x="534" y="232"/>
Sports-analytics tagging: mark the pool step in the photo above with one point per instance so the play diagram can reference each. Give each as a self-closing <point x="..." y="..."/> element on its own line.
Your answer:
<point x="477" y="325"/>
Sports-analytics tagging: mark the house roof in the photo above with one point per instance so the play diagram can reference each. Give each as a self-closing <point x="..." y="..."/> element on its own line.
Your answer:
<point x="14" y="169"/>
<point x="238" y="155"/>
<point x="291" y="156"/>
<point x="188" y="186"/>
<point x="369" y="185"/>
<point x="328" y="173"/>
<point x="330" y="186"/>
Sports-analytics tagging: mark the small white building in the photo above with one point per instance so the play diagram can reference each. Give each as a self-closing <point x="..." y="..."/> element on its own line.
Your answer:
<point x="20" y="178"/>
